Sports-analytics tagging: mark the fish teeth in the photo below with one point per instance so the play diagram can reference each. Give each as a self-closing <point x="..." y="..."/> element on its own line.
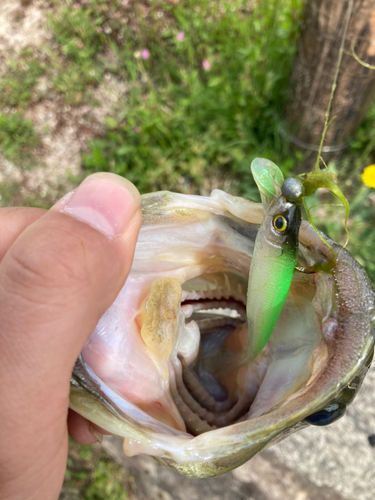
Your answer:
<point x="221" y="287"/>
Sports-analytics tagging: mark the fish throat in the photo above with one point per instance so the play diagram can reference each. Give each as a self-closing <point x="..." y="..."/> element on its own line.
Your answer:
<point x="204" y="396"/>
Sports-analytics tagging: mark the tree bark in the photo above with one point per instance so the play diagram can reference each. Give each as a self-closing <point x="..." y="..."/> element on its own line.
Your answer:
<point x="313" y="74"/>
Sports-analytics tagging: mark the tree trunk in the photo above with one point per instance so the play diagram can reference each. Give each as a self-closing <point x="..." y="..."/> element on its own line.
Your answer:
<point x="313" y="74"/>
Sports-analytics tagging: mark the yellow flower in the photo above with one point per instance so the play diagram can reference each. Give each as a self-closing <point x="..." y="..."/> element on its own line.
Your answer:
<point x="368" y="176"/>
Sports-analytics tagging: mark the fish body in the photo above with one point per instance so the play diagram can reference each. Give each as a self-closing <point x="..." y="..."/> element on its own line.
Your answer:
<point x="274" y="260"/>
<point x="149" y="370"/>
<point x="275" y="252"/>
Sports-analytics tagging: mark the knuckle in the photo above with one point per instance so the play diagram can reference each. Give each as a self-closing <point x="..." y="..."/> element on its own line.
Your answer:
<point x="55" y="262"/>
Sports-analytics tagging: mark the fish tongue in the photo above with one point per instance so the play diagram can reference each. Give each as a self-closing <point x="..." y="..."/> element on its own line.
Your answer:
<point x="161" y="329"/>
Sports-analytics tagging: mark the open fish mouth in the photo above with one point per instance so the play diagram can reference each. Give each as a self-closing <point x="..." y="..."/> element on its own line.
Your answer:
<point x="161" y="367"/>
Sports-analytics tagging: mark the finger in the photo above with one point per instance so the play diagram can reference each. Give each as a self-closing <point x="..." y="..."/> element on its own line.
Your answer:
<point x="83" y="431"/>
<point x="56" y="280"/>
<point x="13" y="221"/>
<point x="62" y="273"/>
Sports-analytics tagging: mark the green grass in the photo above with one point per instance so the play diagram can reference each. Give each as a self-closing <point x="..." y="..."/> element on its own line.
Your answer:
<point x="79" y="37"/>
<point x="20" y="78"/>
<point x="18" y="84"/>
<point x="92" y="475"/>
<point x="179" y="123"/>
<point x="17" y="137"/>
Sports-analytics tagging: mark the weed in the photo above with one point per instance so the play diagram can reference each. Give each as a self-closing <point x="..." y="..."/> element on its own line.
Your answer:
<point x="17" y="137"/>
<point x="17" y="90"/>
<point x="20" y="78"/>
<point x="12" y="194"/>
<point x="92" y="475"/>
<point x="80" y="36"/>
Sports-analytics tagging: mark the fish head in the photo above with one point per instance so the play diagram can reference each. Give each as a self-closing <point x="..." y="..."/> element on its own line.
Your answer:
<point x="151" y="370"/>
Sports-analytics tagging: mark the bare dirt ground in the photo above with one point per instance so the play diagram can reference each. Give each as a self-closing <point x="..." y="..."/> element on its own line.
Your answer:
<point x="333" y="463"/>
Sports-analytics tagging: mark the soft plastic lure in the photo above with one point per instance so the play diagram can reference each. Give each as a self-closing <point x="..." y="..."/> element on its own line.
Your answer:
<point x="275" y="252"/>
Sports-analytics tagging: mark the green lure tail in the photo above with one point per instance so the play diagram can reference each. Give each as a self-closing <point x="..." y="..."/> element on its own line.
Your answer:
<point x="268" y="178"/>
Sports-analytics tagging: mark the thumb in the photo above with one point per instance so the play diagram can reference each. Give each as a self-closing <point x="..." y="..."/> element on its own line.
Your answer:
<point x="56" y="280"/>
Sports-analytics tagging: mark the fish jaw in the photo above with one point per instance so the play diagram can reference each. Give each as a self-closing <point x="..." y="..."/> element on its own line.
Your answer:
<point x="186" y="241"/>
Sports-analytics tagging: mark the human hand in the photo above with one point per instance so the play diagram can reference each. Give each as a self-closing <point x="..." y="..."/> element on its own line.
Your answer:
<point x="59" y="272"/>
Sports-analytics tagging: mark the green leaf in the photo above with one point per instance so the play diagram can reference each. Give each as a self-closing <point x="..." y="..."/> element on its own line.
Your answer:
<point x="216" y="80"/>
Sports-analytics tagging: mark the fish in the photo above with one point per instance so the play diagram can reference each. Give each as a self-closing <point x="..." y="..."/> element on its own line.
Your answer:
<point x="151" y="370"/>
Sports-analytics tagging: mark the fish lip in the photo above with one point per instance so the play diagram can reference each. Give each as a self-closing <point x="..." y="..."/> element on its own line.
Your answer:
<point x="355" y="318"/>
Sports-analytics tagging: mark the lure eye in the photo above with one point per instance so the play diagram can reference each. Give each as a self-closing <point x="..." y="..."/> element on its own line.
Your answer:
<point x="280" y="223"/>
